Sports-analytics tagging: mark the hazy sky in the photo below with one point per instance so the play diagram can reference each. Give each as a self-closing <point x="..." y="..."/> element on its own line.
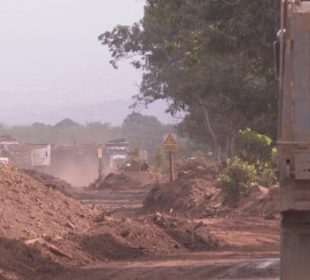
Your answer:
<point x="50" y="55"/>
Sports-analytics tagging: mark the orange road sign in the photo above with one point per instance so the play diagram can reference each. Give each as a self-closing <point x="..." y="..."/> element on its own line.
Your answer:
<point x="170" y="142"/>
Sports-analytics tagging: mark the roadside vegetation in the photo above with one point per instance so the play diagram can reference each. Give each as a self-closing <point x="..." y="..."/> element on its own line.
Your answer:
<point x="254" y="164"/>
<point x="211" y="59"/>
<point x="140" y="130"/>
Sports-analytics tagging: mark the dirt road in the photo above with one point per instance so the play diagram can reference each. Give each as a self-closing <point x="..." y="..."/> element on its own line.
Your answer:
<point x="191" y="267"/>
<point x="249" y="248"/>
<point x="47" y="234"/>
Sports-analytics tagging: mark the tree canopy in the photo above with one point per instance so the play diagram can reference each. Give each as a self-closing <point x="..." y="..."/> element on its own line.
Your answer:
<point x="140" y="130"/>
<point x="210" y="58"/>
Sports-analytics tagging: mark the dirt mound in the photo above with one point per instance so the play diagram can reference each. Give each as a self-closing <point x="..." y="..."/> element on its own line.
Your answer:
<point x="50" y="181"/>
<point x="194" y="236"/>
<point x="115" y="181"/>
<point x="260" y="202"/>
<point x="124" y="238"/>
<point x="19" y="261"/>
<point x="33" y="219"/>
<point x="28" y="209"/>
<point x="189" y="194"/>
<point x="189" y="197"/>
<point x="196" y="193"/>
<point x="44" y="232"/>
<point x="125" y="180"/>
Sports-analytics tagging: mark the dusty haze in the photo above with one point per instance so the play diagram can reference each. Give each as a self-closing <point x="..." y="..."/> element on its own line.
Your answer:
<point x="52" y="66"/>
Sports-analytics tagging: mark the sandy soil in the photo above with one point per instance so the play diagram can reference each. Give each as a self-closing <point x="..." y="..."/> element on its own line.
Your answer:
<point x="45" y="234"/>
<point x="243" y="247"/>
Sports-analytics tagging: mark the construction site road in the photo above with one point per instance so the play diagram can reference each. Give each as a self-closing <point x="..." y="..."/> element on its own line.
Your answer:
<point x="250" y="253"/>
<point x="113" y="201"/>
<point x="47" y="233"/>
<point x="190" y="267"/>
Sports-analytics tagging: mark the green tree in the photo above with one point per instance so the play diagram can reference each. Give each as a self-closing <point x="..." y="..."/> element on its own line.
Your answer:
<point x="211" y="55"/>
<point x="144" y="131"/>
<point x="160" y="159"/>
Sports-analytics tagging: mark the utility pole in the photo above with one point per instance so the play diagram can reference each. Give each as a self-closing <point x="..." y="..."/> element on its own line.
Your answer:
<point x="294" y="138"/>
<point x="100" y="163"/>
<point x="171" y="166"/>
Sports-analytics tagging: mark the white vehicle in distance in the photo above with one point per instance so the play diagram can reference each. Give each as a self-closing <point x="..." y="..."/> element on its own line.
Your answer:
<point x="4" y="161"/>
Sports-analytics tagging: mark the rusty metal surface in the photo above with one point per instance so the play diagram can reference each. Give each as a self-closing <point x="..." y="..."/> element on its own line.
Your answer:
<point x="294" y="136"/>
<point x="302" y="166"/>
<point x="294" y="143"/>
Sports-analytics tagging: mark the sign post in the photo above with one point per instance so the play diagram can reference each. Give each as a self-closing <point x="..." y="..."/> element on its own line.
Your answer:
<point x="170" y="144"/>
<point x="100" y="158"/>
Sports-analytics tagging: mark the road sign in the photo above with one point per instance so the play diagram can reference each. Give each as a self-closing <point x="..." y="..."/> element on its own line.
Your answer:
<point x="170" y="142"/>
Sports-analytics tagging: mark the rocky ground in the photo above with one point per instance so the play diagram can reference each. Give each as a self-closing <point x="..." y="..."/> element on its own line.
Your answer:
<point x="135" y="226"/>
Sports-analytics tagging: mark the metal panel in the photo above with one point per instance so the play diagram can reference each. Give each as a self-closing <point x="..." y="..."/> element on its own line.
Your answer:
<point x="301" y="75"/>
<point x="41" y="157"/>
<point x="302" y="166"/>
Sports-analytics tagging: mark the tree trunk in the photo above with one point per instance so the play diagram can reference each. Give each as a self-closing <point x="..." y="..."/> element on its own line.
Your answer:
<point x="228" y="146"/>
<point x="230" y="140"/>
<point x="233" y="145"/>
<point x="216" y="146"/>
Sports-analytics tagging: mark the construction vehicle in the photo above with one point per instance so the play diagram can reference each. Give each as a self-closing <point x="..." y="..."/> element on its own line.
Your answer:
<point x="4" y="161"/>
<point x="294" y="138"/>
<point x="116" y="153"/>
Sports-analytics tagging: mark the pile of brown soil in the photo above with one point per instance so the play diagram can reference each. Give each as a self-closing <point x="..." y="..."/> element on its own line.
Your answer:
<point x="260" y="202"/>
<point x="115" y="181"/>
<point x="50" y="181"/>
<point x="33" y="219"/>
<point x="189" y="234"/>
<point x="155" y="235"/>
<point x="30" y="210"/>
<point x="124" y="238"/>
<point x="189" y="194"/>
<point x="125" y="180"/>
<point x="196" y="193"/>
<point x="41" y="229"/>
<point x="185" y="196"/>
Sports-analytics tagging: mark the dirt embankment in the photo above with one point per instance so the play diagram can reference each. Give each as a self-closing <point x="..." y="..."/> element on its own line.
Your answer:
<point x="125" y="180"/>
<point x="33" y="219"/>
<point x="42" y="230"/>
<point x="50" y="181"/>
<point x="155" y="235"/>
<point x="196" y="193"/>
<point x="29" y="209"/>
<point x="115" y="181"/>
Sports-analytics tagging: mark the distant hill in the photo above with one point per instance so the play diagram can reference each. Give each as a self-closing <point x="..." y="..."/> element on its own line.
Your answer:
<point x="113" y="111"/>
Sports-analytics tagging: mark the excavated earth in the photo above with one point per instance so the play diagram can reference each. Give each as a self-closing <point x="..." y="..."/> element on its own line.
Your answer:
<point x="122" y="232"/>
<point x="195" y="193"/>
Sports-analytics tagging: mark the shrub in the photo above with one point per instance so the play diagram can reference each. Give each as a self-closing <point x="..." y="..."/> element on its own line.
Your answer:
<point x="236" y="179"/>
<point x="266" y="174"/>
<point x="274" y="157"/>
<point x="254" y="147"/>
<point x="258" y="149"/>
<point x="160" y="161"/>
